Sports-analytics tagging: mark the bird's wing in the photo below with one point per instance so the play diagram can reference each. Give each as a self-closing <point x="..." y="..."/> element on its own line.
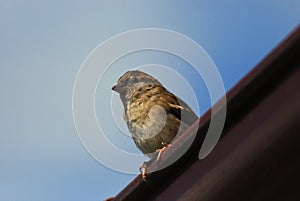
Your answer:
<point x="188" y="116"/>
<point x="181" y="110"/>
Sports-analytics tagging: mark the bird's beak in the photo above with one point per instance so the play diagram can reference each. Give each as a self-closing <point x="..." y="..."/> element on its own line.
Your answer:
<point x="116" y="88"/>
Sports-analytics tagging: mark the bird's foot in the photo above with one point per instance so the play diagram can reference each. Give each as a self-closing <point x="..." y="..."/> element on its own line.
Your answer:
<point x="143" y="171"/>
<point x="160" y="151"/>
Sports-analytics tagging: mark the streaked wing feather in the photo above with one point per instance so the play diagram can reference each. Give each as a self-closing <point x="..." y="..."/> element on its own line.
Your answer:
<point x="181" y="110"/>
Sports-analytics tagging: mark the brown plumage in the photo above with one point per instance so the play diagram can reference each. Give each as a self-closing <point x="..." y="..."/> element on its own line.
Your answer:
<point x="153" y="115"/>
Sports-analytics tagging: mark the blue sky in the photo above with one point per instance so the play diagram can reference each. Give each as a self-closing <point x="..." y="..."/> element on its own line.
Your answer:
<point x="43" y="45"/>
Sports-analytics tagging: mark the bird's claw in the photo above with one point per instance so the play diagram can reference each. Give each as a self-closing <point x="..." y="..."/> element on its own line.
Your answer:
<point x="160" y="151"/>
<point x="143" y="168"/>
<point x="143" y="171"/>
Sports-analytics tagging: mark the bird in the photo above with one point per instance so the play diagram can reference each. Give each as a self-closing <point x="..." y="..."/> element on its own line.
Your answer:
<point x="154" y="116"/>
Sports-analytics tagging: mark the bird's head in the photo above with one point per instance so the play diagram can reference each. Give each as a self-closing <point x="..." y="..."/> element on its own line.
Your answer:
<point x="131" y="81"/>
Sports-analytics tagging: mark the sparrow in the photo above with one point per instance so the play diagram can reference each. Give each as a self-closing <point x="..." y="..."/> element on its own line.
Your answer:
<point x="154" y="116"/>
